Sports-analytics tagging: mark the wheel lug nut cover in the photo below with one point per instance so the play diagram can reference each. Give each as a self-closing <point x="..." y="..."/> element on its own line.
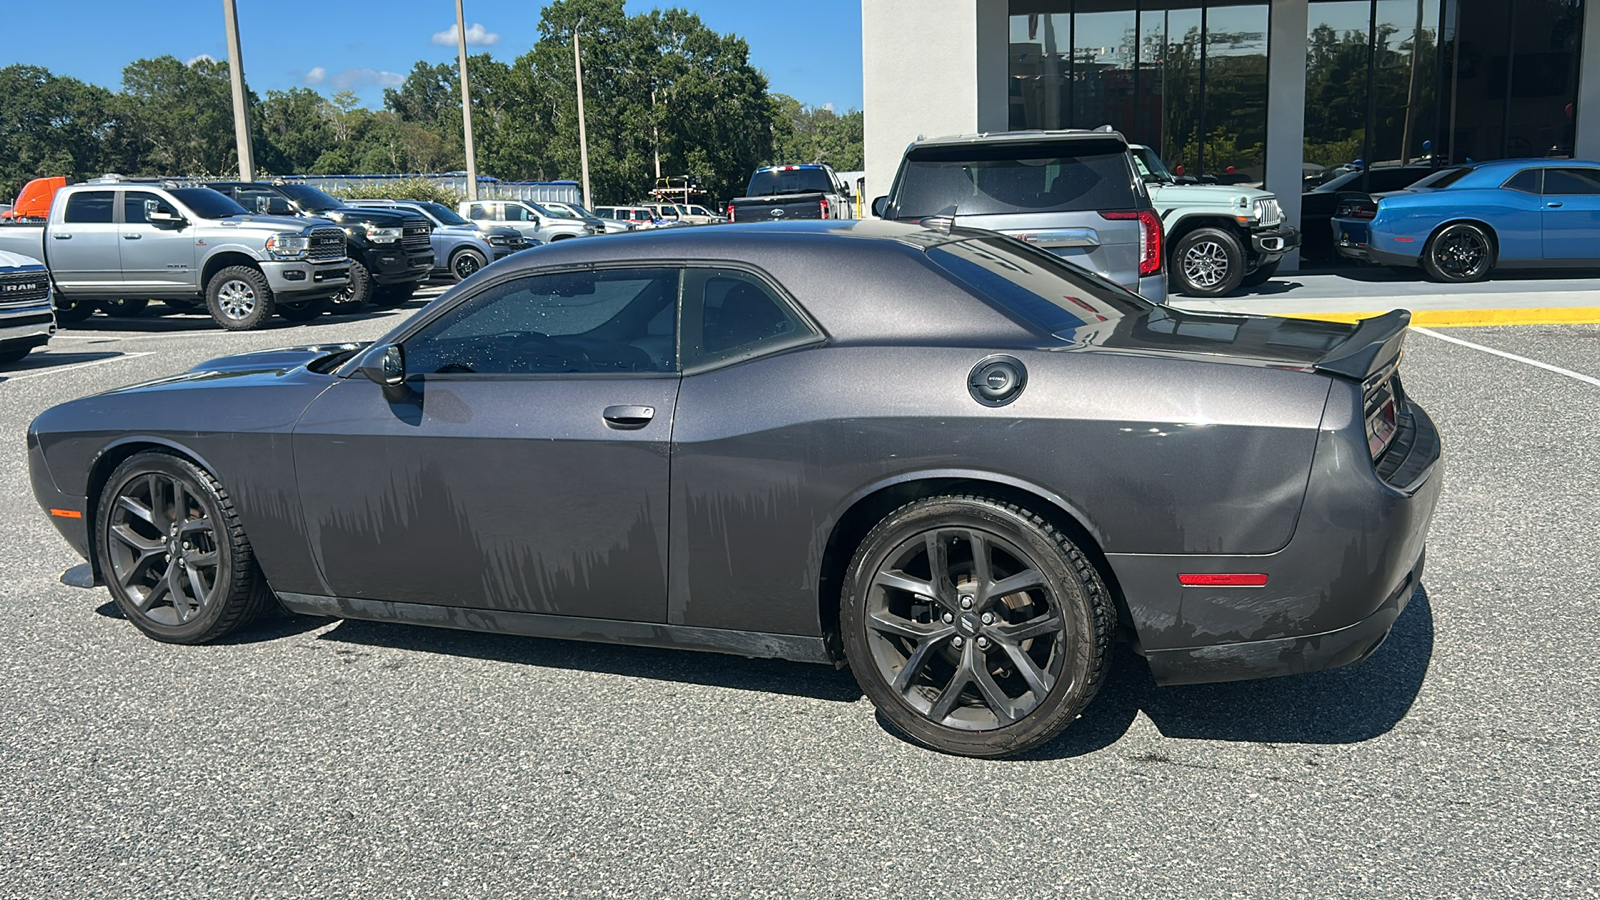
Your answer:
<point x="988" y="618"/>
<point x="966" y="601"/>
<point x="958" y="641"/>
<point x="948" y="618"/>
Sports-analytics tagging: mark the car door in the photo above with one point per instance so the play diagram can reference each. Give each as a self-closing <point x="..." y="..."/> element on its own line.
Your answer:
<point x="83" y="254"/>
<point x="1571" y="214"/>
<point x="524" y="463"/>
<point x="156" y="260"/>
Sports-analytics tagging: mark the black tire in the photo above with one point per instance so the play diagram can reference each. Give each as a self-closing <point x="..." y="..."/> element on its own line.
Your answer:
<point x="303" y="310"/>
<point x="1459" y="254"/>
<point x="185" y="305"/>
<point x="124" y="308"/>
<point x="1262" y="275"/>
<point x="1207" y="262"/>
<point x="156" y="513"/>
<point x="239" y="298"/>
<point x="1047" y="631"/>
<point x="71" y="313"/>
<point x="356" y="293"/>
<point x="392" y="295"/>
<point x="11" y="355"/>
<point x="465" y="263"/>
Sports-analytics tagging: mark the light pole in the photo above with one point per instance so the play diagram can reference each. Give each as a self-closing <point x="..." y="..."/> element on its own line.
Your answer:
<point x="241" y="105"/>
<point x="583" y="133"/>
<point x="466" y="104"/>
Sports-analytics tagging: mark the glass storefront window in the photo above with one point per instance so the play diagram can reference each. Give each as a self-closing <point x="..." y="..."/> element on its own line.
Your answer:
<point x="1236" y="93"/>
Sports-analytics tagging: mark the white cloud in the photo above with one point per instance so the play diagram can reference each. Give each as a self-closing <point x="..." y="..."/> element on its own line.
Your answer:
<point x="350" y="79"/>
<point x="477" y="36"/>
<point x="195" y="59"/>
<point x="828" y="107"/>
<point x="316" y="76"/>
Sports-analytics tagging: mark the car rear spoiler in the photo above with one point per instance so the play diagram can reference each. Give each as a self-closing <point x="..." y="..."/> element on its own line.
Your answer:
<point x="1374" y="345"/>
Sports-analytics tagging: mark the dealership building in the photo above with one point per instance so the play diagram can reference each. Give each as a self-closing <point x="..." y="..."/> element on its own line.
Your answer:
<point x="1259" y="92"/>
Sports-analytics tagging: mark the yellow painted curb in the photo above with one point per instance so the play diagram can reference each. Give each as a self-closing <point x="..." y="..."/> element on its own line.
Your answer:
<point x="1460" y="318"/>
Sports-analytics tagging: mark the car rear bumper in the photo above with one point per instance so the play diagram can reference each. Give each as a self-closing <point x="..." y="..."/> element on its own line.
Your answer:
<point x="1354" y="240"/>
<point x="29" y="326"/>
<point x="1151" y="287"/>
<point x="1331" y="594"/>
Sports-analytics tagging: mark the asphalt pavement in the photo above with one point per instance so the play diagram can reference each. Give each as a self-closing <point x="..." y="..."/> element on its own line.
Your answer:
<point x="321" y="758"/>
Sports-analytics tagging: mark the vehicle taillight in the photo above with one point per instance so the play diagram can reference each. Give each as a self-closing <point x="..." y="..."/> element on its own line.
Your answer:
<point x="730" y="212"/>
<point x="824" y="208"/>
<point x="1149" y="238"/>
<point x="1382" y="416"/>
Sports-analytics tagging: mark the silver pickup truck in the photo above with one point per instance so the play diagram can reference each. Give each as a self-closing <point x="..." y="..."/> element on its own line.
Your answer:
<point x="110" y="241"/>
<point x="25" y="318"/>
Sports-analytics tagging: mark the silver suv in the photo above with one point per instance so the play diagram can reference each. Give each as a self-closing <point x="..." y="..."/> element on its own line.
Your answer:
<point x="1074" y="193"/>
<point x="530" y="219"/>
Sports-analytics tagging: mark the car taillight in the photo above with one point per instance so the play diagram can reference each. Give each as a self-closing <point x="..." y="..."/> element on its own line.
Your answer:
<point x="1382" y="417"/>
<point x="824" y="208"/>
<point x="730" y="212"/>
<point x="1149" y="238"/>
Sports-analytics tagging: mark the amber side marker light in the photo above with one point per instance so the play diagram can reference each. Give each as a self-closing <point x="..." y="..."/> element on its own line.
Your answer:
<point x="66" y="513"/>
<point x="1208" y="579"/>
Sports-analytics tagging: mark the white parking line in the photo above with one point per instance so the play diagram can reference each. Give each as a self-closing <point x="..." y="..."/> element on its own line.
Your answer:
<point x="86" y="365"/>
<point x="1588" y="379"/>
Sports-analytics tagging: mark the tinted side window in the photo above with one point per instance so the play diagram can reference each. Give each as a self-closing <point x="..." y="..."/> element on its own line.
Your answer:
<point x="730" y="315"/>
<point x="1571" y="181"/>
<point x="1526" y="181"/>
<point x="89" y="207"/>
<point x="1394" y="179"/>
<point x="614" y="320"/>
<point x="480" y="211"/>
<point x="136" y="203"/>
<point x="516" y="214"/>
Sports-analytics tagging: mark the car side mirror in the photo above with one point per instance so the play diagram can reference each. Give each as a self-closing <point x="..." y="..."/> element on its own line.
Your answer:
<point x="1150" y="178"/>
<point x="880" y="205"/>
<point x="163" y="219"/>
<point x="385" y="365"/>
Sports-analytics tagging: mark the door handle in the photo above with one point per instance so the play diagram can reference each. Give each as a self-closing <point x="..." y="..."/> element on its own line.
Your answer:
<point x="629" y="416"/>
<point x="62" y="237"/>
<point x="131" y="237"/>
<point x="1553" y="205"/>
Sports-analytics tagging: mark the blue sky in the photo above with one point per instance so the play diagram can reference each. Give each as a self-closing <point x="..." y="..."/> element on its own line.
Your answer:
<point x="809" y="49"/>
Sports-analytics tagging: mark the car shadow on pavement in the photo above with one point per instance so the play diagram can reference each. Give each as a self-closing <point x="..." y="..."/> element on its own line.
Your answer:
<point x="768" y="676"/>
<point x="1339" y="706"/>
<point x="273" y="624"/>
<point x="43" y="362"/>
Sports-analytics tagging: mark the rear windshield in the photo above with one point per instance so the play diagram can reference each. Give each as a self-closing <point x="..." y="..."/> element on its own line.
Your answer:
<point x="208" y="204"/>
<point x="1015" y="178"/>
<point x="788" y="181"/>
<point x="311" y="199"/>
<point x="1035" y="286"/>
<point x="444" y="214"/>
<point x="1445" y="178"/>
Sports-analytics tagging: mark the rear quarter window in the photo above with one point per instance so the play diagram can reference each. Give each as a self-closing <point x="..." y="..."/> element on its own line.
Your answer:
<point x="1007" y="178"/>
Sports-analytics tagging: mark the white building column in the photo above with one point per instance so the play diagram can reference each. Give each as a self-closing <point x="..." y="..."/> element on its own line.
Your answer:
<point x="1587" y="143"/>
<point x="1286" y="109"/>
<point x="930" y="67"/>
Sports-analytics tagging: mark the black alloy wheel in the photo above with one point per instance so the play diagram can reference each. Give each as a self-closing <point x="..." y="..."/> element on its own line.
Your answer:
<point x="465" y="264"/>
<point x="123" y="308"/>
<point x="1460" y="253"/>
<point x="173" y="553"/>
<point x="356" y="293"/>
<point x="975" y="626"/>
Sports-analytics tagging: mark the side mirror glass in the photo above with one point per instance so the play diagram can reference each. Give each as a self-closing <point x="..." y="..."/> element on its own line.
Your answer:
<point x="385" y="365"/>
<point x="880" y="205"/>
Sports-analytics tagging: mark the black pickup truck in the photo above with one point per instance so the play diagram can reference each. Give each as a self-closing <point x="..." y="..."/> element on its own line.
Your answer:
<point x="780" y="193"/>
<point x="391" y="251"/>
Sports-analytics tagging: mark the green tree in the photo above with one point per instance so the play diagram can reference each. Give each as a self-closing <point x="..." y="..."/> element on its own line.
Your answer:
<point x="51" y="126"/>
<point x="177" y="119"/>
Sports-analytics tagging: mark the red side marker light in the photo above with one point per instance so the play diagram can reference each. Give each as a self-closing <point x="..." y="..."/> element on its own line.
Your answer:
<point x="1211" y="579"/>
<point x="66" y="513"/>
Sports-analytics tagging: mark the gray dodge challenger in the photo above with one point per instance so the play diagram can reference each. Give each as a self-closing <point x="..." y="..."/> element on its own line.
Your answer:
<point x="943" y="457"/>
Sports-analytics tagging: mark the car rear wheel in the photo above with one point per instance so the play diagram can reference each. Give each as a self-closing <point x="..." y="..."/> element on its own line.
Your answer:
<point x="1459" y="254"/>
<point x="975" y="626"/>
<point x="123" y="308"/>
<point x="465" y="263"/>
<point x="173" y="553"/>
<point x="72" y="312"/>
<point x="11" y="355"/>
<point x="1207" y="262"/>
<point x="1262" y="275"/>
<point x="239" y="298"/>
<point x="356" y="292"/>
<point x="303" y="310"/>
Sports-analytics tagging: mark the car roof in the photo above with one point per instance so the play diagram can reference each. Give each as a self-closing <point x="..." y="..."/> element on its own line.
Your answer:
<point x="1061" y="134"/>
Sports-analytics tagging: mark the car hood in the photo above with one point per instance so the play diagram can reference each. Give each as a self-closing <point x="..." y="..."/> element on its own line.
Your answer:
<point x="1207" y="194"/>
<point x="275" y="360"/>
<point x="277" y="223"/>
<point x="17" y="261"/>
<point x="383" y="218"/>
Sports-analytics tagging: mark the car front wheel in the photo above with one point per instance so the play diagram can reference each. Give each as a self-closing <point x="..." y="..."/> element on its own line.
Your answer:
<point x="239" y="298"/>
<point x="1459" y="254"/>
<point x="975" y="626"/>
<point x="1207" y="262"/>
<point x="173" y="553"/>
<point x="465" y="264"/>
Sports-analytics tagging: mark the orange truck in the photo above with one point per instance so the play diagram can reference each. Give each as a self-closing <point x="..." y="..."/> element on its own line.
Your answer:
<point x="33" y="203"/>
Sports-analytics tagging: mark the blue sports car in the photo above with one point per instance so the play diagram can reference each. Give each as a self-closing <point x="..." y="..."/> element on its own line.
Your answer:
<point x="1463" y="221"/>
